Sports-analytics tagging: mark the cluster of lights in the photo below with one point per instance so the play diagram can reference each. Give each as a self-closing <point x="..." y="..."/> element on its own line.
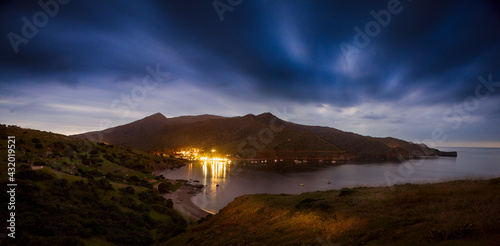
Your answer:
<point x="190" y="154"/>
<point x="212" y="158"/>
<point x="194" y="154"/>
<point x="205" y="158"/>
<point x="217" y="165"/>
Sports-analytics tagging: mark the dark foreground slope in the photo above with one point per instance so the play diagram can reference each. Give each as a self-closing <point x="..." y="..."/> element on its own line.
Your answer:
<point x="261" y="136"/>
<point x="451" y="213"/>
<point x="74" y="192"/>
<point x="68" y="154"/>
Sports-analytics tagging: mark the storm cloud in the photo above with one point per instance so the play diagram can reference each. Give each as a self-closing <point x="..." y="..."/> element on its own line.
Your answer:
<point x="286" y="57"/>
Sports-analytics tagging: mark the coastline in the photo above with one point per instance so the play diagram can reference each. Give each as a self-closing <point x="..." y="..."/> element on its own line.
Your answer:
<point x="181" y="199"/>
<point x="160" y="172"/>
<point x="183" y="204"/>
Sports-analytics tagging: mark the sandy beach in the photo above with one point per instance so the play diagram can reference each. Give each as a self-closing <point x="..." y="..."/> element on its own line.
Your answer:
<point x="182" y="199"/>
<point x="182" y="202"/>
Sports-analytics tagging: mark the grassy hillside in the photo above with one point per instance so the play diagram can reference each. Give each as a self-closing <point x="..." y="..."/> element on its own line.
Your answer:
<point x="86" y="193"/>
<point x="75" y="156"/>
<point x="59" y="209"/>
<point x="452" y="213"/>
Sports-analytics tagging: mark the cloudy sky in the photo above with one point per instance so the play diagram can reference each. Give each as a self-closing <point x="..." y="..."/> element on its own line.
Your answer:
<point x="415" y="70"/>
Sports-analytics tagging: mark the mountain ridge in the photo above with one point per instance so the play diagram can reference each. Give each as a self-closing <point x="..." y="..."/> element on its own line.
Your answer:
<point x="257" y="136"/>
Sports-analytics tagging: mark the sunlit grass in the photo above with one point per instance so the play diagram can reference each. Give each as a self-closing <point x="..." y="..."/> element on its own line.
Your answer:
<point x="451" y="213"/>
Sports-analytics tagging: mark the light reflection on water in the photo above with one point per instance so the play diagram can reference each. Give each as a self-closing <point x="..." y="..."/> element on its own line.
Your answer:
<point x="214" y="171"/>
<point x="224" y="181"/>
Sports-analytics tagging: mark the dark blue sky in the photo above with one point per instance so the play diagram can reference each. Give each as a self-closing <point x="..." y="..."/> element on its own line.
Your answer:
<point x="412" y="73"/>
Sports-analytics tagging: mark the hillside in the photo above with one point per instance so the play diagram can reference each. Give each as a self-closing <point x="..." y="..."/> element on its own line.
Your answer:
<point x="451" y="213"/>
<point x="76" y="192"/>
<point x="65" y="153"/>
<point x="261" y="136"/>
<point x="140" y="130"/>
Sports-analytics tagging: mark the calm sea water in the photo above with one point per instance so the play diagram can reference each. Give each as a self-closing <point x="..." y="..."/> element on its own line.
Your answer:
<point x="234" y="180"/>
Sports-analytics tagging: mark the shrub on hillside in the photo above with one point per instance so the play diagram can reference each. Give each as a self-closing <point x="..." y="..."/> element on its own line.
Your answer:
<point x="127" y="190"/>
<point x="164" y="188"/>
<point x="58" y="145"/>
<point x="346" y="191"/>
<point x="104" y="184"/>
<point x="151" y="197"/>
<point x="133" y="179"/>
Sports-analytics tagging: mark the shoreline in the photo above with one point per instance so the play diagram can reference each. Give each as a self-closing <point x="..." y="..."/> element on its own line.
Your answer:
<point x="161" y="171"/>
<point x="182" y="199"/>
<point x="183" y="204"/>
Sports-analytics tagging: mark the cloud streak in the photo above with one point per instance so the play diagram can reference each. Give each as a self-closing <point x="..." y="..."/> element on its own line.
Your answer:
<point x="265" y="55"/>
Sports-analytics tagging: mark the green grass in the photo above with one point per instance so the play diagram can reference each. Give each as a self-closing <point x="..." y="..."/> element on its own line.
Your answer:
<point x="62" y="209"/>
<point x="109" y="167"/>
<point x="35" y="147"/>
<point x="69" y="155"/>
<point x="451" y="213"/>
<point x="59" y="175"/>
<point x="99" y="195"/>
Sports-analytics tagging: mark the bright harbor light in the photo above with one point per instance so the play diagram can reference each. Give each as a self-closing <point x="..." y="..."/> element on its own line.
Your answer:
<point x="206" y="158"/>
<point x="214" y="165"/>
<point x="216" y="168"/>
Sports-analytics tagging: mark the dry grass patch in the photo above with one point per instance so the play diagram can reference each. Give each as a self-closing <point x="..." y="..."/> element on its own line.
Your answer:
<point x="451" y="213"/>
